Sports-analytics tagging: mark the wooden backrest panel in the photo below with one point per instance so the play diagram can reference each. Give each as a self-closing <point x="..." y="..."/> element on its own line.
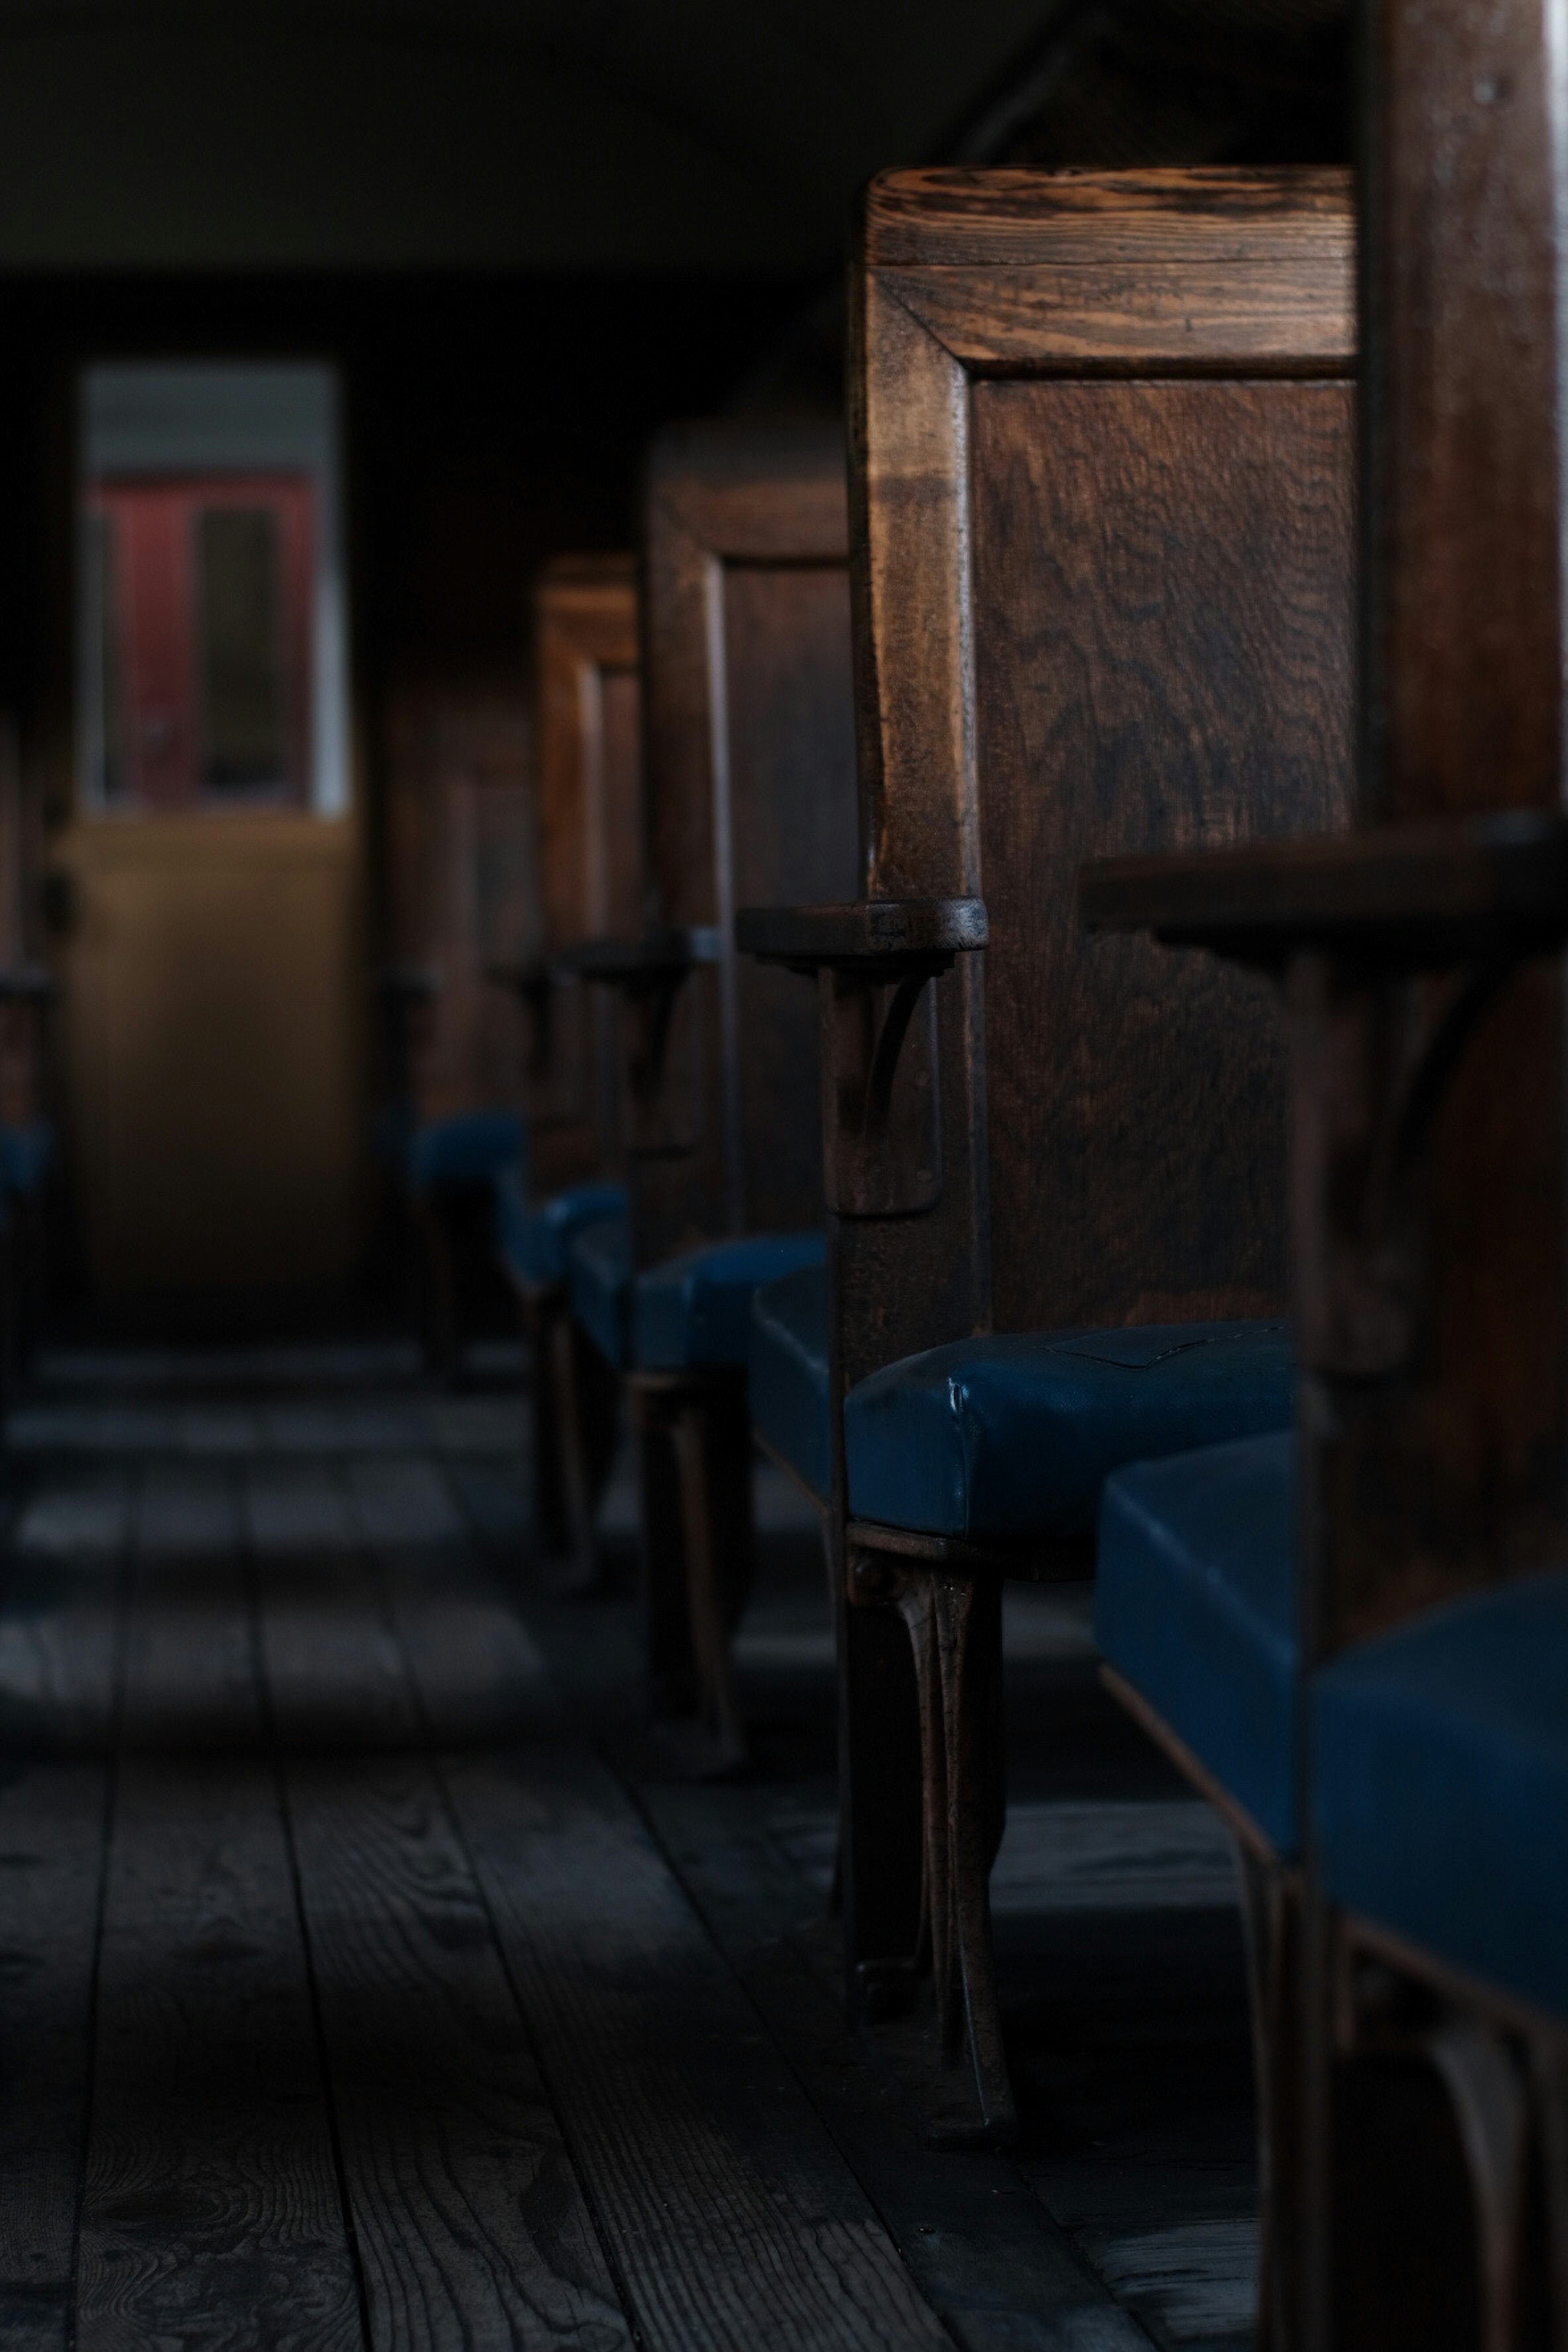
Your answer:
<point x="1102" y="555"/>
<point x="751" y="796"/>
<point x="1163" y="656"/>
<point x="588" y="784"/>
<point x="464" y="885"/>
<point x="1453" y="1469"/>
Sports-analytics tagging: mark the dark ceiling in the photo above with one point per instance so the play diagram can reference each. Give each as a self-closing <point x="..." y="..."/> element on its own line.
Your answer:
<point x="556" y="135"/>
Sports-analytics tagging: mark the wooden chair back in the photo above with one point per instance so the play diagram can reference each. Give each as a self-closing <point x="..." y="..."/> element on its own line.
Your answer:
<point x="751" y="796"/>
<point x="461" y="886"/>
<point x="1102" y="555"/>
<point x="1449" y="1466"/>
<point x="588" y="766"/>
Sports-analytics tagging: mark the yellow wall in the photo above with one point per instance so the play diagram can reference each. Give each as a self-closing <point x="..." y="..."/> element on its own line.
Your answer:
<point x="212" y="1018"/>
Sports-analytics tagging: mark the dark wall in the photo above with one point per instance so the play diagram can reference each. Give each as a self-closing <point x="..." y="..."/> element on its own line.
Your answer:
<point x="490" y="420"/>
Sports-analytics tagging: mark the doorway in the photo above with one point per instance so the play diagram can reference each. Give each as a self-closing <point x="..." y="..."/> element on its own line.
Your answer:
<point x="212" y="996"/>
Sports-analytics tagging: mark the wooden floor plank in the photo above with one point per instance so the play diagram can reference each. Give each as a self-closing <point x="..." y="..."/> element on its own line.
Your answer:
<point x="62" y="1611"/>
<point x="52" y="1820"/>
<point x="335" y="1669"/>
<point x="737" y="2226"/>
<point x="472" y="2230"/>
<point x="211" y="2211"/>
<point x="478" y="1671"/>
<point x="190" y="1678"/>
<point x="971" y="2228"/>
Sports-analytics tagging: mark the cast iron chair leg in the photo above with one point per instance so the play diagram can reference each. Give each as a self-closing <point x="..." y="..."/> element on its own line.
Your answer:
<point x="881" y="1838"/>
<point x="1271" y="1918"/>
<point x="543" y="1313"/>
<point x="575" y="1484"/>
<point x="711" y="1623"/>
<point x="1491" y="2108"/>
<point x="917" y="1606"/>
<point x="1549" y="2087"/>
<point x="969" y="1641"/>
<point x="440" y="1292"/>
<point x="667" y="1620"/>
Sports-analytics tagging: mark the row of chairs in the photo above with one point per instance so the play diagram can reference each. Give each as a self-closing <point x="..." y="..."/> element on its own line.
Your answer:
<point x="988" y="1246"/>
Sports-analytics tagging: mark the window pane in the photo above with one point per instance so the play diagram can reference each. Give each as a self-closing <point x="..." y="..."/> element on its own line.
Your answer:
<point x="240" y="649"/>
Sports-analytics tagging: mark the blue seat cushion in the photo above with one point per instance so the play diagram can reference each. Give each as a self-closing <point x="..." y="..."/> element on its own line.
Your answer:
<point x="787" y="1363"/>
<point x="27" y="1156"/>
<point x="532" y="1236"/>
<point x="696" y="1309"/>
<point x="466" y="1150"/>
<point x="599" y="1276"/>
<point x="1440" y="1784"/>
<point x="1194" y="1605"/>
<point x="1015" y="1436"/>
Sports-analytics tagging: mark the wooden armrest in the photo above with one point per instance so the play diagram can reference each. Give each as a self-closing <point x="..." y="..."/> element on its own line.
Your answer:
<point x="1412" y="897"/>
<point x="656" y="960"/>
<point x="27" y="984"/>
<point x="882" y="939"/>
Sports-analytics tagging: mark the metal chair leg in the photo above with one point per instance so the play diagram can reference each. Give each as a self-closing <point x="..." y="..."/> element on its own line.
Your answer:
<point x="969" y="1641"/>
<point x="719" y="1701"/>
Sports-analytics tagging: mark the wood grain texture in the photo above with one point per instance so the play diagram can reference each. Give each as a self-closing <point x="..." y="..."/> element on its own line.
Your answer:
<point x="62" y="1611"/>
<point x="1059" y="639"/>
<point x="335" y="1668"/>
<point x="210" y="2209"/>
<point x="736" y="2223"/>
<point x="962" y="218"/>
<point x="53" y="1819"/>
<point x="190" y="1672"/>
<point x="588" y="799"/>
<point x="462" y="884"/>
<point x="470" y="2225"/>
<point x="750" y="798"/>
<point x="1454" y="1473"/>
<point x="995" y="2267"/>
<point x="476" y="1672"/>
<point x="1164" y="658"/>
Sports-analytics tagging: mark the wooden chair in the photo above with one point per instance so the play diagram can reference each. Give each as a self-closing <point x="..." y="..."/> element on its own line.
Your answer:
<point x="1367" y="1628"/>
<point x="750" y="791"/>
<point x="1101" y="470"/>
<point x="588" y="801"/>
<point x="461" y="894"/>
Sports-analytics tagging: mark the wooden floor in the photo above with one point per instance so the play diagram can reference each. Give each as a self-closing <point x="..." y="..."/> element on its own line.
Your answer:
<point x="360" y="1984"/>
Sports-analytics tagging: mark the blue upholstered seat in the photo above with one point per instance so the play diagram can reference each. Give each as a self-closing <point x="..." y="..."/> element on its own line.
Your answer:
<point x="1015" y="1436"/>
<point x="695" y="1309"/>
<point x="532" y="1236"/>
<point x="1440" y="1784"/>
<point x="789" y="1368"/>
<point x="599" y="1276"/>
<point x="1194" y="1605"/>
<point x="27" y="1156"/>
<point x="468" y="1149"/>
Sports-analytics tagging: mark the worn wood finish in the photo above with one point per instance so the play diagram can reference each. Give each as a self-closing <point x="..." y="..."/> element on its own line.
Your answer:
<point x="1428" y="1145"/>
<point x="377" y="1524"/>
<point x="462" y="890"/>
<point x="750" y="798"/>
<point x="1450" y="1467"/>
<point x="588" y="798"/>
<point x="53" y="1821"/>
<point x="469" y="2224"/>
<point x="210" y="2213"/>
<point x="1101" y="549"/>
<point x="735" y="2218"/>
